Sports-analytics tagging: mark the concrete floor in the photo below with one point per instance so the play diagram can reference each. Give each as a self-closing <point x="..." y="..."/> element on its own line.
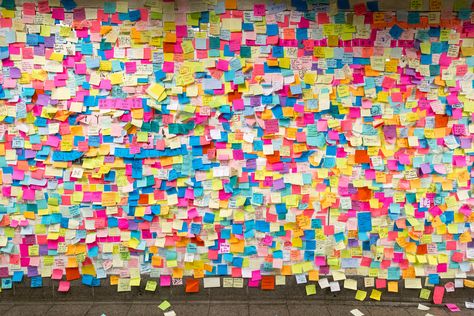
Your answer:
<point x="218" y="308"/>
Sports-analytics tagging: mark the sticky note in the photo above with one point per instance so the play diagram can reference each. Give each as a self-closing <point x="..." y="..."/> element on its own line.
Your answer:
<point x="375" y="294"/>
<point x="151" y="285"/>
<point x="310" y="289"/>
<point x="64" y="286"/>
<point x="438" y="294"/>
<point x="360" y="295"/>
<point x="157" y="91"/>
<point x="164" y="305"/>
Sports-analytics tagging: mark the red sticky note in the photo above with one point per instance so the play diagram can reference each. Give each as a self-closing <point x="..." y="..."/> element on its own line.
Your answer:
<point x="360" y="8"/>
<point x="380" y="283"/>
<point x="438" y="294"/>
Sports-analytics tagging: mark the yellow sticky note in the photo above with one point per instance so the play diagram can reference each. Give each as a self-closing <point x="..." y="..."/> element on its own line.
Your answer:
<point x="416" y="5"/>
<point x="469" y="283"/>
<point x="375" y="295"/>
<point x="310" y="289"/>
<point x="64" y="31"/>
<point x="45" y="30"/>
<point x="56" y="56"/>
<point x="157" y="91"/>
<point x="360" y="295"/>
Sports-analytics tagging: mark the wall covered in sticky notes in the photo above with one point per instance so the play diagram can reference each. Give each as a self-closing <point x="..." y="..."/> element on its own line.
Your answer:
<point x="251" y="141"/>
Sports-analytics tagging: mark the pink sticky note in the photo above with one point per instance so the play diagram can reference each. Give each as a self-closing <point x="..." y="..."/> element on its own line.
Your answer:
<point x="130" y="67"/>
<point x="28" y="194"/>
<point x="254" y="283"/>
<point x="256" y="275"/>
<point x="322" y="125"/>
<point x="57" y="274"/>
<point x="438" y="294"/>
<point x="168" y="66"/>
<point x="453" y="307"/>
<point x="58" y="13"/>
<point x="105" y="84"/>
<point x="64" y="286"/>
<point x="165" y="280"/>
<point x="222" y="65"/>
<point x="238" y="104"/>
<point x="259" y="9"/>
<point x="81" y="68"/>
<point x="181" y="31"/>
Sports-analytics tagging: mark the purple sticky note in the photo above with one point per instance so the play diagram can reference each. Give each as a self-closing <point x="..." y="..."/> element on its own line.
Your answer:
<point x="15" y="73"/>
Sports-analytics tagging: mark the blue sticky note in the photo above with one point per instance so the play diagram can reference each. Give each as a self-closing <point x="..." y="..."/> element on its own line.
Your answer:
<point x="396" y="31"/>
<point x="272" y="30"/>
<point x="7" y="283"/>
<point x="413" y="17"/>
<point x="393" y="273"/>
<point x="364" y="222"/>
<point x="219" y="7"/>
<point x="92" y="62"/>
<point x="87" y="279"/>
<point x="373" y="6"/>
<point x="8" y="4"/>
<point x="134" y="15"/>
<point x="69" y="4"/>
<point x="86" y="48"/>
<point x="343" y="4"/>
<point x="209" y="218"/>
<point x="17" y="276"/>
<point x="36" y="282"/>
<point x="433" y="278"/>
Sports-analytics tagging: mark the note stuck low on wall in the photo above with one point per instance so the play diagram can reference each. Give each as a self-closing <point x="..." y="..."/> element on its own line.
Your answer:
<point x="256" y="142"/>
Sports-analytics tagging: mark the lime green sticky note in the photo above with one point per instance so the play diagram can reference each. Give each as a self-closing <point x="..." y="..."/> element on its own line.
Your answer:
<point x="361" y="295"/>
<point x="142" y="137"/>
<point x="310" y="289"/>
<point x="164" y="305"/>
<point x="151" y="285"/>
<point x="425" y="294"/>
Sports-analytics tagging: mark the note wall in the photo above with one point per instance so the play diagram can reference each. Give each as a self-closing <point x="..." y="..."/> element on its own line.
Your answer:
<point x="308" y="140"/>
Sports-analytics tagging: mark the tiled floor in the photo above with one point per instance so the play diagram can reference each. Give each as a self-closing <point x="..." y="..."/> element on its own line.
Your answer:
<point x="232" y="308"/>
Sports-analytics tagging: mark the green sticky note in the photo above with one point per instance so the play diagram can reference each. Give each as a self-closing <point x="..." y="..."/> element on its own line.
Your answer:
<point x="151" y="285"/>
<point x="425" y="294"/>
<point x="180" y="129"/>
<point x="310" y="289"/>
<point x="164" y="305"/>
<point x="245" y="52"/>
<point x="142" y="136"/>
<point x="156" y="15"/>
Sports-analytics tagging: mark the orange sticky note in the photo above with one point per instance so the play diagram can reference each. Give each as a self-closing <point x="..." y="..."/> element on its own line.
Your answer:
<point x="393" y="286"/>
<point x="192" y="285"/>
<point x="268" y="282"/>
<point x="231" y="4"/>
<point x="313" y="275"/>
